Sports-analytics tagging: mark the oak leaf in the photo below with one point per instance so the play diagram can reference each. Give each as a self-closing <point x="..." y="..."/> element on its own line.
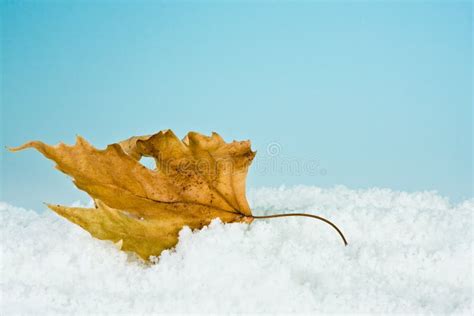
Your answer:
<point x="196" y="180"/>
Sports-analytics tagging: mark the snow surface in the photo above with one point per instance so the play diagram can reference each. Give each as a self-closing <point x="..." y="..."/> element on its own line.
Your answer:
<point x="407" y="253"/>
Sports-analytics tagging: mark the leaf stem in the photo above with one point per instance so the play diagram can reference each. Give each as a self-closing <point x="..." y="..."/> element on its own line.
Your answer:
<point x="304" y="215"/>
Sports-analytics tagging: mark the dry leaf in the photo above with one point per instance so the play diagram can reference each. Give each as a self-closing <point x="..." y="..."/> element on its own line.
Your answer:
<point x="196" y="180"/>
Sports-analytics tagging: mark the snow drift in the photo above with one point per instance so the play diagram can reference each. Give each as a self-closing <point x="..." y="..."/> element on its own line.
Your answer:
<point x="407" y="253"/>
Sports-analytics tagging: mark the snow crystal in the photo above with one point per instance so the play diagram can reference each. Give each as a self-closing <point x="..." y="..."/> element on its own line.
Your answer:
<point x="407" y="253"/>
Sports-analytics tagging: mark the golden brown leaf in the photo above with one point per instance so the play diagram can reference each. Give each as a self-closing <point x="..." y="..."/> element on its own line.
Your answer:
<point x="195" y="180"/>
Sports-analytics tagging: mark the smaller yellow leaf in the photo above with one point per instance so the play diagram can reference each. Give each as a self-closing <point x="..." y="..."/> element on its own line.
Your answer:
<point x="145" y="237"/>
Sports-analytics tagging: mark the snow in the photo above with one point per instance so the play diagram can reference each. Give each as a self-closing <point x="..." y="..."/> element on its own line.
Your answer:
<point x="407" y="253"/>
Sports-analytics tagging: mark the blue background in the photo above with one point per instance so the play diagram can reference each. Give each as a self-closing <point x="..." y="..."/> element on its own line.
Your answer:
<point x="377" y="93"/>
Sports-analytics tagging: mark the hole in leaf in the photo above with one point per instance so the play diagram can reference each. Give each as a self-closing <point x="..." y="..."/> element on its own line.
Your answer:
<point x="148" y="162"/>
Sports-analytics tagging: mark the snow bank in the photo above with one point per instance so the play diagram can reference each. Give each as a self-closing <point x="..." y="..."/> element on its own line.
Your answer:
<point x="407" y="253"/>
